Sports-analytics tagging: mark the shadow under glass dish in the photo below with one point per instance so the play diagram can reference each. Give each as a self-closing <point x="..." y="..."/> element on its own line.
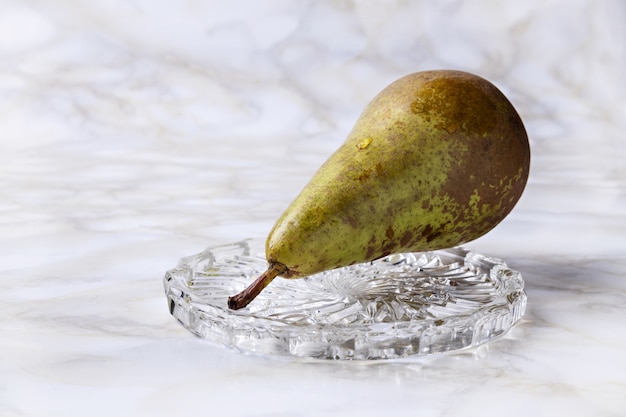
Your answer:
<point x="399" y="306"/>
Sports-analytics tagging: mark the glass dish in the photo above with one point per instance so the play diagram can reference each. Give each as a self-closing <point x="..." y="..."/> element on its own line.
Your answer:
<point x="399" y="306"/>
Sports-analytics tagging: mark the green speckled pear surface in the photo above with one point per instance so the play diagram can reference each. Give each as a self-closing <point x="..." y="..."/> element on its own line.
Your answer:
<point x="437" y="159"/>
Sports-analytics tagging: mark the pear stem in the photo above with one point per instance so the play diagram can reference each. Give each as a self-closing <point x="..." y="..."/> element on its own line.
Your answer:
<point x="246" y="296"/>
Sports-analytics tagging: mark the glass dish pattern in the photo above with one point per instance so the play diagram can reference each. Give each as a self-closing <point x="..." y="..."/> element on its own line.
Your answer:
<point x="399" y="306"/>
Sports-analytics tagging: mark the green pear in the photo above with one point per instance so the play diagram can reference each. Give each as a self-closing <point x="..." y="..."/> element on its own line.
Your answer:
<point x="437" y="159"/>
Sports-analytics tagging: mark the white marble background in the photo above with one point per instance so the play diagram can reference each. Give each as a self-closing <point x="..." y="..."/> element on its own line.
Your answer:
<point x="133" y="133"/>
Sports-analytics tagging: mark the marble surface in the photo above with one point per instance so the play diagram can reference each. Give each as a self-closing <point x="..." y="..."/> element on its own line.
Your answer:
<point x="134" y="133"/>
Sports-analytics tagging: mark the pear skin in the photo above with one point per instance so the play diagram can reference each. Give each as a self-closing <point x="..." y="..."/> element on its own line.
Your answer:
<point x="437" y="159"/>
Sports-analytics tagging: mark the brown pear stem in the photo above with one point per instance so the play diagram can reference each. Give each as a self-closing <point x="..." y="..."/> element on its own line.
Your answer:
<point x="246" y="296"/>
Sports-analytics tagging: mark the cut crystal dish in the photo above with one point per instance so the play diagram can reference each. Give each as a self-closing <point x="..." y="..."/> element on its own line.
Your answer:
<point x="399" y="306"/>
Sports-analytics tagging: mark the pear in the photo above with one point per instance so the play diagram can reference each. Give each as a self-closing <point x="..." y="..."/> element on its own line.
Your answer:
<point x="437" y="159"/>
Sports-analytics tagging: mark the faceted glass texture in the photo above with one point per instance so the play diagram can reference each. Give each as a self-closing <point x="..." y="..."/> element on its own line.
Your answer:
<point x="399" y="306"/>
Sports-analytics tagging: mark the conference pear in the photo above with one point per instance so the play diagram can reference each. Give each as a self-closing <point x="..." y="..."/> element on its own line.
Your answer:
<point x="437" y="159"/>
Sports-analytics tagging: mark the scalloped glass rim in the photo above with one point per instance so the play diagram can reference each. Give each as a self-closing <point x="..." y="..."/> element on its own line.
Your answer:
<point x="399" y="306"/>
